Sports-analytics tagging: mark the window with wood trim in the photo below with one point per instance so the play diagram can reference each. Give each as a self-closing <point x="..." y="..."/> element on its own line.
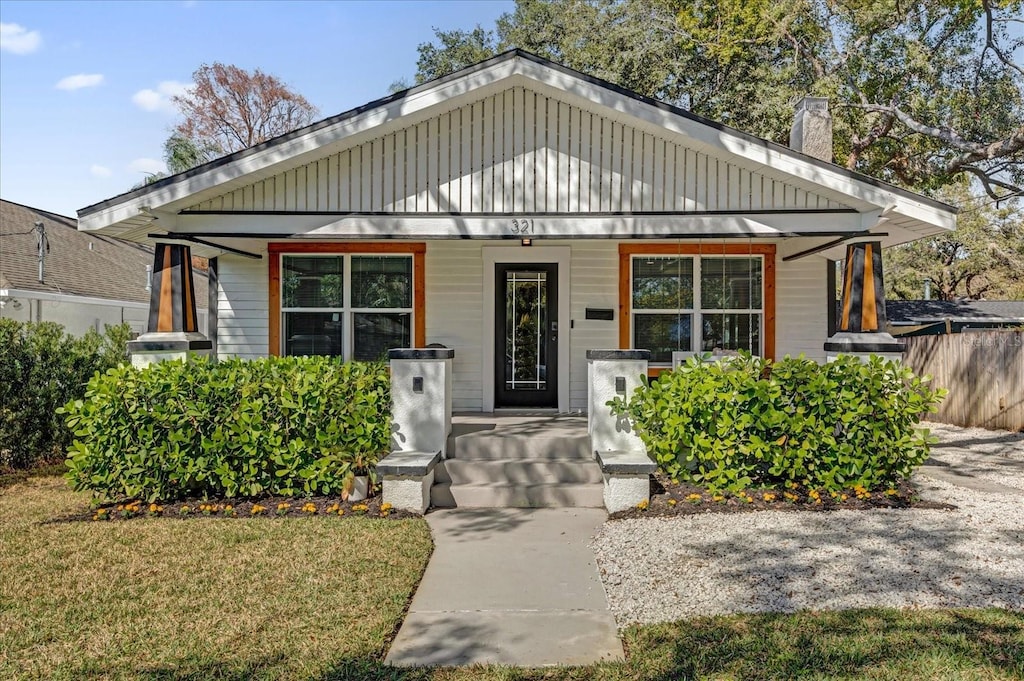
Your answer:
<point x="691" y="302"/>
<point x="333" y="299"/>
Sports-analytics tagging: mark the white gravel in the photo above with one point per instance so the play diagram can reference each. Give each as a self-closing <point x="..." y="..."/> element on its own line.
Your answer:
<point x="664" y="569"/>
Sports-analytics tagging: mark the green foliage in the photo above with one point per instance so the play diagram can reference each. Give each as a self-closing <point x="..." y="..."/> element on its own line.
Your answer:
<point x="41" y="368"/>
<point x="982" y="259"/>
<point x="235" y="428"/>
<point x="746" y="422"/>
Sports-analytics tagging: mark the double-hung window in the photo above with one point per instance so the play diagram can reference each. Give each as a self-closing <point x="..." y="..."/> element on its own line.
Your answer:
<point x="694" y="303"/>
<point x="349" y="305"/>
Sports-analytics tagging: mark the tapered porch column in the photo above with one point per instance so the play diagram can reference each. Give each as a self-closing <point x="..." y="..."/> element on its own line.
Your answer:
<point x="172" y="331"/>
<point x="861" y="327"/>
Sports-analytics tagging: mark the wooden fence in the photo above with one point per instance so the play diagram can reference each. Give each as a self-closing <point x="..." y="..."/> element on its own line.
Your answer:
<point x="983" y="371"/>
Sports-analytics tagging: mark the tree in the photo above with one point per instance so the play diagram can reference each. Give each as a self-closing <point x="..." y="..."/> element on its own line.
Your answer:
<point x="923" y="93"/>
<point x="229" y="109"/>
<point x="983" y="258"/>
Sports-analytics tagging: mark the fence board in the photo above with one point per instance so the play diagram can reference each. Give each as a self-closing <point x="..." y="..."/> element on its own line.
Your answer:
<point x="983" y="372"/>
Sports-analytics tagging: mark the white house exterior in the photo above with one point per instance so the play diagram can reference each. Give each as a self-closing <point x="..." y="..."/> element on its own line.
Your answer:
<point x="438" y="214"/>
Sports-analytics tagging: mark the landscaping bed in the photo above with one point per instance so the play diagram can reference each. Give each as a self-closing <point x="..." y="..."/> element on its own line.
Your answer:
<point x="267" y="508"/>
<point x="673" y="498"/>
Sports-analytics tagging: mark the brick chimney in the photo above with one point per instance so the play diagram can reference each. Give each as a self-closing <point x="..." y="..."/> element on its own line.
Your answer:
<point x="811" y="133"/>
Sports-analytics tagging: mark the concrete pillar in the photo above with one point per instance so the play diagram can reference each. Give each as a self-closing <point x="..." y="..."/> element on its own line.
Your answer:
<point x="861" y="328"/>
<point x="172" y="331"/>
<point x="421" y="399"/>
<point x="613" y="373"/>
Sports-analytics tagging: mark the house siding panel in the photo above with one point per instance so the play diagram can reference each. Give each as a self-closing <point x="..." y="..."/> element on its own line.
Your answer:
<point x="520" y="151"/>
<point x="801" y="308"/>
<point x="242" y="302"/>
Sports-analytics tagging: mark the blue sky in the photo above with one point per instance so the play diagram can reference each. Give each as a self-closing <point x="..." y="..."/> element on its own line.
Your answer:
<point x="84" y="86"/>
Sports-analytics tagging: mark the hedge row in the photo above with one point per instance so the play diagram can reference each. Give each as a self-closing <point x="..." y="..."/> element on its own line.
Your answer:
<point x="41" y="368"/>
<point x="747" y="422"/>
<point x="234" y="428"/>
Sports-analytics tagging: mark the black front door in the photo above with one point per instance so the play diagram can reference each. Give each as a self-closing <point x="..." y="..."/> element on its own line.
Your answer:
<point x="526" y="335"/>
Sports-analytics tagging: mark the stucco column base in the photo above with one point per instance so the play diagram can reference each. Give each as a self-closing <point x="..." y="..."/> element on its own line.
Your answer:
<point x="610" y="374"/>
<point x="864" y="345"/>
<point x="161" y="346"/>
<point x="421" y="411"/>
<point x="408" y="492"/>
<point x="623" y="492"/>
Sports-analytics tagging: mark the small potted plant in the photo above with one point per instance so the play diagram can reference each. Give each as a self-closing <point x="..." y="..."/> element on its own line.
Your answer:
<point x="357" y="482"/>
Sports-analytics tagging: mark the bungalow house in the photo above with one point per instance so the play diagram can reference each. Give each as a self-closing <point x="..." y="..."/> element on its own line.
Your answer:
<point x="522" y="213"/>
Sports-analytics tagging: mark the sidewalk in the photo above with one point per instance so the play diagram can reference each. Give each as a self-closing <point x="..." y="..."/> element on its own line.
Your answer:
<point x="509" y="586"/>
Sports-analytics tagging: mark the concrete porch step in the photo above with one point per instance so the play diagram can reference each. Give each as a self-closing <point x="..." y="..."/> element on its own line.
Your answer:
<point x="518" y="471"/>
<point x="512" y="495"/>
<point x="497" y="446"/>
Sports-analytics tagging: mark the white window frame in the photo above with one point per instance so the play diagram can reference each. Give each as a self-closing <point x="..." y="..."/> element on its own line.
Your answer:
<point x="696" y="311"/>
<point x="347" y="311"/>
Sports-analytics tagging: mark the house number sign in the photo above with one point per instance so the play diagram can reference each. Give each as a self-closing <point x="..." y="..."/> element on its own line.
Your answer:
<point x="522" y="226"/>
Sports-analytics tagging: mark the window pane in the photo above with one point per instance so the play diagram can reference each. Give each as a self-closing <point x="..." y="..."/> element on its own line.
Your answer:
<point x="662" y="283"/>
<point x="661" y="334"/>
<point x="313" y="333"/>
<point x="732" y="332"/>
<point x="312" y="282"/>
<point x="381" y="281"/>
<point x="377" y="332"/>
<point x="730" y="283"/>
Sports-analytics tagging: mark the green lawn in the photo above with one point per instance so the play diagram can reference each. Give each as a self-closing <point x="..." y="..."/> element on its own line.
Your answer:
<point x="317" y="599"/>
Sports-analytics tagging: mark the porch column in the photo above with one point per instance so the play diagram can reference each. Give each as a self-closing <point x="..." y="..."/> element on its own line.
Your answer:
<point x="421" y="420"/>
<point x="625" y="466"/>
<point x="172" y="331"/>
<point x="861" y="327"/>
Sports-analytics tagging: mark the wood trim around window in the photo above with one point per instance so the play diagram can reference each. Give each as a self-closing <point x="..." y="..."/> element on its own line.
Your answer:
<point x="419" y="278"/>
<point x="628" y="250"/>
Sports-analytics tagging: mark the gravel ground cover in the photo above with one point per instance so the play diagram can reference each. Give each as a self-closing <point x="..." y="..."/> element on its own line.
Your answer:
<point x="664" y="569"/>
<point x="994" y="455"/>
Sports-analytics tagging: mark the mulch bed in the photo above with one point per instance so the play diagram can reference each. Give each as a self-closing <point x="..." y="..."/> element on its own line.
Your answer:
<point x="269" y="508"/>
<point x="677" y="499"/>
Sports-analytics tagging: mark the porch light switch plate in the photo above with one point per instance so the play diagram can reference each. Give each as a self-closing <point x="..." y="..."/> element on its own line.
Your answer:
<point x="620" y="385"/>
<point x="417" y="384"/>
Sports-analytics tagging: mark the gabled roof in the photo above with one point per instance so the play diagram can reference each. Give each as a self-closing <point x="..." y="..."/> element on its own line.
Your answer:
<point x="924" y="311"/>
<point x="78" y="263"/>
<point x="131" y="214"/>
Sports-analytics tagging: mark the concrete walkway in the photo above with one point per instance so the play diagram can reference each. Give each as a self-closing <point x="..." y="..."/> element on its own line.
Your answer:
<point x="509" y="586"/>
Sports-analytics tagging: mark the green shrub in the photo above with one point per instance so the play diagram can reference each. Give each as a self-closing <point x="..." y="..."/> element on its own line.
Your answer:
<point x="749" y="422"/>
<point x="235" y="428"/>
<point x="41" y="368"/>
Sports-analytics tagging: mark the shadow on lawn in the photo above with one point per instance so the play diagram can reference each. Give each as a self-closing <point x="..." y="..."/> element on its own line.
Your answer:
<point x="846" y="644"/>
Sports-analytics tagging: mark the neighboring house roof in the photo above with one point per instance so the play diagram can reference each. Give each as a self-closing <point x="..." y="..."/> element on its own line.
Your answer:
<point x="926" y="311"/>
<point x="172" y="204"/>
<point x="77" y="263"/>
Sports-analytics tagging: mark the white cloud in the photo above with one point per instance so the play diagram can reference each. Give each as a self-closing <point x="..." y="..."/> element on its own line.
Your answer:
<point x="79" y="81"/>
<point x="160" y="98"/>
<point x="18" y="39"/>
<point x="97" y="170"/>
<point x="147" y="165"/>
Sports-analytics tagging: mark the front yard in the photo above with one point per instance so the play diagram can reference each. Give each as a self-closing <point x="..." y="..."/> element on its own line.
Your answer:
<point x="318" y="598"/>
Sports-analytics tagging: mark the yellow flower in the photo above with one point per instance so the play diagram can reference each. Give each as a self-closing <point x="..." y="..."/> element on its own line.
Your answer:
<point x="257" y="509"/>
<point x="768" y="496"/>
<point x="385" y="506"/>
<point x="718" y="497"/>
<point x="341" y="511"/>
<point x="643" y="505"/>
<point x="891" y="492"/>
<point x="694" y="498"/>
<point x="843" y="497"/>
<point x="309" y="507"/>
<point x="671" y="502"/>
<point x="790" y="496"/>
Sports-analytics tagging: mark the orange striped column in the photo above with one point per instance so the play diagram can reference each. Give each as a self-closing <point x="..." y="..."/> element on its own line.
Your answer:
<point x="862" y="323"/>
<point x="172" y="302"/>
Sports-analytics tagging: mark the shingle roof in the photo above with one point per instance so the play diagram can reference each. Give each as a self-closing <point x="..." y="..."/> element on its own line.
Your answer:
<point x="919" y="311"/>
<point x="78" y="263"/>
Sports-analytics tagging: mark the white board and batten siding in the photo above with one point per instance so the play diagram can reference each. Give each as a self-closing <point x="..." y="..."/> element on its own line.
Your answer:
<point x="519" y="151"/>
<point x="242" y="307"/>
